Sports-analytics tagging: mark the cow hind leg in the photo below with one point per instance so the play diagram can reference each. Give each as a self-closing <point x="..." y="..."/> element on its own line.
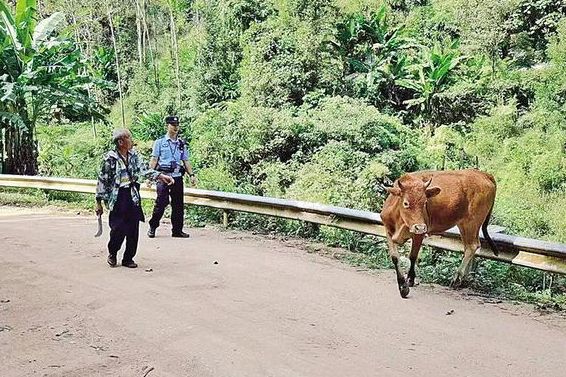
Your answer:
<point x="401" y="281"/>
<point x="470" y="238"/>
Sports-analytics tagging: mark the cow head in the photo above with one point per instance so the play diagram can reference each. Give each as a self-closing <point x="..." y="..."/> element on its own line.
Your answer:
<point x="413" y="194"/>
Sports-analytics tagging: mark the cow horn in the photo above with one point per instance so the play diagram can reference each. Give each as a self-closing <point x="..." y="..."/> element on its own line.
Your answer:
<point x="427" y="183"/>
<point x="400" y="185"/>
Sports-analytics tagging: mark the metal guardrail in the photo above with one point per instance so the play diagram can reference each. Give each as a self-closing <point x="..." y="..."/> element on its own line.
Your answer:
<point x="542" y="255"/>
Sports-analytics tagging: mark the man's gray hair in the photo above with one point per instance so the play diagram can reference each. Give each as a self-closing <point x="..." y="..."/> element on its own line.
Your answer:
<point x="119" y="134"/>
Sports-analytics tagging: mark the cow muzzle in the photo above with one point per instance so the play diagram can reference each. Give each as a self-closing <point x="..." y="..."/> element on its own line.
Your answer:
<point x="418" y="229"/>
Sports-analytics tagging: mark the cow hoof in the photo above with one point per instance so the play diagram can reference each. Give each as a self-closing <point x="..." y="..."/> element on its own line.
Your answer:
<point x="404" y="291"/>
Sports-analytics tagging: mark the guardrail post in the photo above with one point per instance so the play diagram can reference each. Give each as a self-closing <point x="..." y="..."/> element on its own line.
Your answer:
<point x="225" y="218"/>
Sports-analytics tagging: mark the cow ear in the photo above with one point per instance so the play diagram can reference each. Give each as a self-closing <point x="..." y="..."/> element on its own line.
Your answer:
<point x="393" y="191"/>
<point x="432" y="191"/>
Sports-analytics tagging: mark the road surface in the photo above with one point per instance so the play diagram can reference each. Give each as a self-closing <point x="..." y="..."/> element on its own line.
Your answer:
<point x="265" y="308"/>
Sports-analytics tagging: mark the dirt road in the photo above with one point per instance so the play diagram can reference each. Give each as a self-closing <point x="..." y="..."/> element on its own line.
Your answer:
<point x="267" y="308"/>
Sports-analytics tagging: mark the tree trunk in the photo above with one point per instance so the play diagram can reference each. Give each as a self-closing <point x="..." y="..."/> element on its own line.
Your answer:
<point x="117" y="67"/>
<point x="21" y="152"/>
<point x="2" y="138"/>
<point x="175" y="51"/>
<point x="82" y="50"/>
<point x="145" y="31"/>
<point x="153" y="60"/>
<point x="140" y="33"/>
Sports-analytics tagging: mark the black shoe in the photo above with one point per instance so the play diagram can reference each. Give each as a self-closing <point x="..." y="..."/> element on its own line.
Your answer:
<point x="151" y="232"/>
<point x="130" y="264"/>
<point x="181" y="234"/>
<point x="111" y="260"/>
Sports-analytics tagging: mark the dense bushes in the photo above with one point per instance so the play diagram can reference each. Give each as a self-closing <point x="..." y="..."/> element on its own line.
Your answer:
<point x="72" y="150"/>
<point x="527" y="152"/>
<point x="285" y="59"/>
<point x="341" y="152"/>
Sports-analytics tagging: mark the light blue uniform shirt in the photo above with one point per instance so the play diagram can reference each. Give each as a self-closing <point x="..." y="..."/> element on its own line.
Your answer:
<point x="166" y="150"/>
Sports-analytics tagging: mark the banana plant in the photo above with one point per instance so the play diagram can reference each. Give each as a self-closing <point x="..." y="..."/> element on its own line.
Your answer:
<point x="431" y="74"/>
<point x="375" y="52"/>
<point x="39" y="70"/>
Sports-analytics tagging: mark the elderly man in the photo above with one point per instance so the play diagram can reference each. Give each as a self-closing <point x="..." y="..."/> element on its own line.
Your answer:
<point x="118" y="187"/>
<point x="170" y="156"/>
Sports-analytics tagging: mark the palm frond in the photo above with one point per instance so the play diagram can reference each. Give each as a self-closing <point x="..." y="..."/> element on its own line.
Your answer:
<point x="25" y="20"/>
<point x="46" y="27"/>
<point x="11" y="119"/>
<point x="10" y="30"/>
<point x="6" y="10"/>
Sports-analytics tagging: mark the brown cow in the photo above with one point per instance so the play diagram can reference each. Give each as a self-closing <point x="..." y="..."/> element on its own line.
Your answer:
<point x="431" y="202"/>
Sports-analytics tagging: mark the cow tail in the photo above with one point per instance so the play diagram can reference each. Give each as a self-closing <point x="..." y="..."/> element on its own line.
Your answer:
<point x="486" y="234"/>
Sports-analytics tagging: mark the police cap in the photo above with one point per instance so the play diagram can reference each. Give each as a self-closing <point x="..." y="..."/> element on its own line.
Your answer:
<point x="172" y="119"/>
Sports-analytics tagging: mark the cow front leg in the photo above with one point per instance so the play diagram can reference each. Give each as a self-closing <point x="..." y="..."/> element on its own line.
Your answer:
<point x="401" y="282"/>
<point x="415" y="249"/>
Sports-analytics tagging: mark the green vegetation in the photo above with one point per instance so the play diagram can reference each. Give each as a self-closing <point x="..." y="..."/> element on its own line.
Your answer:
<point x="42" y="75"/>
<point x="320" y="100"/>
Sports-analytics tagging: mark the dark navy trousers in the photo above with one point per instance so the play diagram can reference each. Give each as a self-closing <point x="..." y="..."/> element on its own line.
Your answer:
<point x="124" y="221"/>
<point x="164" y="192"/>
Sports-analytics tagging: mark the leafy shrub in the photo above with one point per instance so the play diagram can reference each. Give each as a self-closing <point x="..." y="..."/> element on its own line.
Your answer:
<point x="284" y="60"/>
<point x="537" y="18"/>
<point x="72" y="150"/>
<point x="527" y="158"/>
<point x="341" y="152"/>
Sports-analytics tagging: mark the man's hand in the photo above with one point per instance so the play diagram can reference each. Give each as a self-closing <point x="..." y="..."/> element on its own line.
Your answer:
<point x="166" y="179"/>
<point x="99" y="210"/>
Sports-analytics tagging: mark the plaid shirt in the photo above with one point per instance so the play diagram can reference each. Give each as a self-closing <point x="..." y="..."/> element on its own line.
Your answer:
<point x="109" y="178"/>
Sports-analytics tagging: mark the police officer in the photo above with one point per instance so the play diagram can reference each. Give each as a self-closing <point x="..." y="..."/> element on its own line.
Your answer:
<point x="170" y="156"/>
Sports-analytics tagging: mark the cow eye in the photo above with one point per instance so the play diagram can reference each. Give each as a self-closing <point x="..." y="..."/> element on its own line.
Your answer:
<point x="405" y="204"/>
